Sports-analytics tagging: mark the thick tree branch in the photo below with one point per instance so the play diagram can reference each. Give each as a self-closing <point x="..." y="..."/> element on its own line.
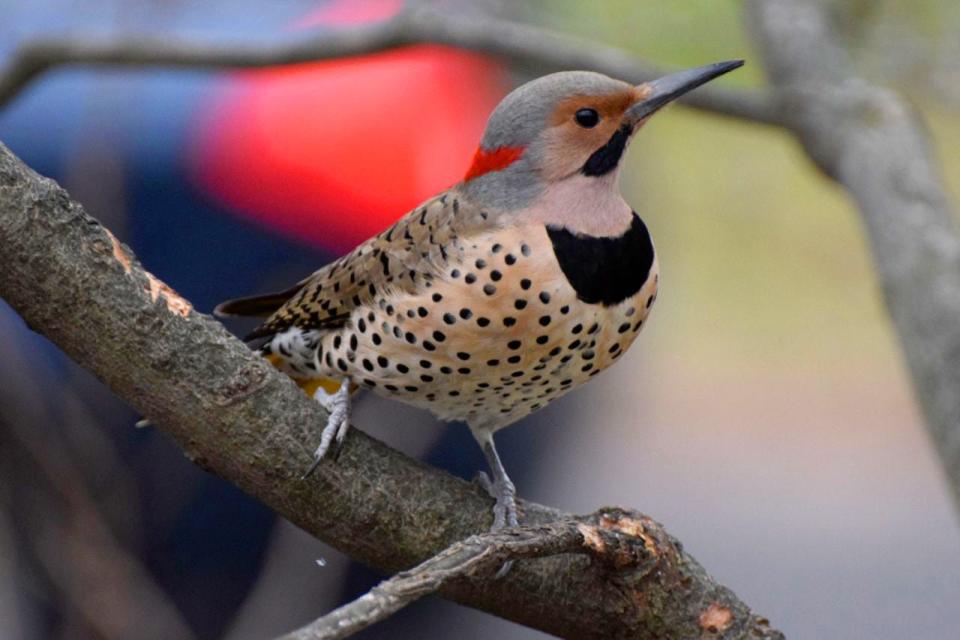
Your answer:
<point x="236" y="416"/>
<point x="875" y="145"/>
<point x="521" y="44"/>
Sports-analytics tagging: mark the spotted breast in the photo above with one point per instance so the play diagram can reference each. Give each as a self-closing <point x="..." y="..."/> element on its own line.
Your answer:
<point x="494" y="328"/>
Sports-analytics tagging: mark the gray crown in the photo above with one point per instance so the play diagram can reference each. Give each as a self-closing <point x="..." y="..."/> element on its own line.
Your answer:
<point x="522" y="115"/>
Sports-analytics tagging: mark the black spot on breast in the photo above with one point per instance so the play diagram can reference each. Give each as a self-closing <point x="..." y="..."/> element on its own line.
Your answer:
<point x="606" y="158"/>
<point x="604" y="270"/>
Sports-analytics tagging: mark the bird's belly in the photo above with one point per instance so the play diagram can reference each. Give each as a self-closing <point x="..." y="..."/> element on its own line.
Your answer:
<point x="489" y="340"/>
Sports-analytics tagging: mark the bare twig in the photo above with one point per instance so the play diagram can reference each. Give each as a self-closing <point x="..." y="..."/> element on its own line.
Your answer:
<point x="236" y="416"/>
<point x="875" y="145"/>
<point x="525" y="45"/>
<point x="476" y="556"/>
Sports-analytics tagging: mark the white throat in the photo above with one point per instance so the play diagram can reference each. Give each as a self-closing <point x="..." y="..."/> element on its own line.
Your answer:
<point x="590" y="205"/>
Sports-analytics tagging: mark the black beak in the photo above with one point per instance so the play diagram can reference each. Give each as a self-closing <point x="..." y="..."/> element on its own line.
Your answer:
<point x="668" y="88"/>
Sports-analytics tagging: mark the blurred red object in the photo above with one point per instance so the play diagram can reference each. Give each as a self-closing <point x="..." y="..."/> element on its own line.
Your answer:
<point x="333" y="152"/>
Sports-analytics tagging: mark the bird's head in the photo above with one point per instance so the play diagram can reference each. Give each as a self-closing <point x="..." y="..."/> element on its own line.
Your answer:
<point x="568" y="126"/>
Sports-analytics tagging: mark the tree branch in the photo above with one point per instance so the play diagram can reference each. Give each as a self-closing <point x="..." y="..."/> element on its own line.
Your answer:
<point x="476" y="556"/>
<point x="521" y="44"/>
<point x="875" y="145"/>
<point x="236" y="416"/>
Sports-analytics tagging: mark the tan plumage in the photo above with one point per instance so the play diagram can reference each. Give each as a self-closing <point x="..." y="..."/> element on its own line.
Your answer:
<point x="444" y="331"/>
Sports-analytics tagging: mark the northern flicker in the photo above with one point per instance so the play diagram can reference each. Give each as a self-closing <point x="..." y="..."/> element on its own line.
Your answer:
<point x="499" y="295"/>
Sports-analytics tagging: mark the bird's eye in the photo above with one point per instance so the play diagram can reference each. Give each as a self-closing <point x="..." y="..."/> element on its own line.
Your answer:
<point x="587" y="118"/>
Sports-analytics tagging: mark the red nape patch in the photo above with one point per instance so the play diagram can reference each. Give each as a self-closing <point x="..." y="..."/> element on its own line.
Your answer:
<point x="494" y="160"/>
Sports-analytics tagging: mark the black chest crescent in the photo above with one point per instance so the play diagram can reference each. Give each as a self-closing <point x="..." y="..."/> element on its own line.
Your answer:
<point x="604" y="270"/>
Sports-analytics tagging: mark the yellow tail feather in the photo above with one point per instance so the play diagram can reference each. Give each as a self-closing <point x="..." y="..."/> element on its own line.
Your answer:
<point x="310" y="385"/>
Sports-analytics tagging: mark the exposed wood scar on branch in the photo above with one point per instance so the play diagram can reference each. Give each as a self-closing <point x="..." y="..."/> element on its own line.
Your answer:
<point x="119" y="253"/>
<point x="716" y="619"/>
<point x="591" y="538"/>
<point x="175" y="303"/>
<point x="632" y="527"/>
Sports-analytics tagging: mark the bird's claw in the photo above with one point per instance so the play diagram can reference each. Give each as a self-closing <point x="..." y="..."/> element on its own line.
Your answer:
<point x="503" y="570"/>
<point x="338" y="423"/>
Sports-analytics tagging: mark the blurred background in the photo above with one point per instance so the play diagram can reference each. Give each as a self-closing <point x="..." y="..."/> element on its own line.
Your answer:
<point x="765" y="415"/>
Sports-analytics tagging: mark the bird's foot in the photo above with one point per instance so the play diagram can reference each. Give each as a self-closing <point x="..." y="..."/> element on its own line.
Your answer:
<point x="504" y="509"/>
<point x="338" y="421"/>
<point x="501" y="488"/>
<point x="505" y="494"/>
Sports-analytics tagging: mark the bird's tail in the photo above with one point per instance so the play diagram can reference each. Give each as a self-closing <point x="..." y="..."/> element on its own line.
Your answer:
<point x="256" y="306"/>
<point x="263" y="306"/>
<point x="308" y="385"/>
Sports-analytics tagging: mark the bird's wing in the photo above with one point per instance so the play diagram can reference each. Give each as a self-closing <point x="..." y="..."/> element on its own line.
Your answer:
<point x="402" y="258"/>
<point x="260" y="306"/>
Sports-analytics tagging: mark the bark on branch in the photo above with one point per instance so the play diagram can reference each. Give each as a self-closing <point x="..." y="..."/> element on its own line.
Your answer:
<point x="524" y="45"/>
<point x="482" y="555"/>
<point x="875" y="145"/>
<point x="237" y="417"/>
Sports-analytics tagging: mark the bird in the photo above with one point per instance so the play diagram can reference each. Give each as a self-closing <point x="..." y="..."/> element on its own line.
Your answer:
<point x="485" y="303"/>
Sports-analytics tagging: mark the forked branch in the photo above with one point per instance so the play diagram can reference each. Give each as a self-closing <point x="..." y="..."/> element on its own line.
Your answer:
<point x="479" y="556"/>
